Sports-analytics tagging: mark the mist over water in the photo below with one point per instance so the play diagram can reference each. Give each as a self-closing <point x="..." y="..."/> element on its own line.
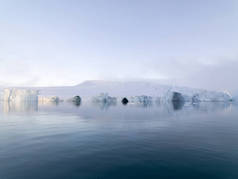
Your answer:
<point x="118" y="141"/>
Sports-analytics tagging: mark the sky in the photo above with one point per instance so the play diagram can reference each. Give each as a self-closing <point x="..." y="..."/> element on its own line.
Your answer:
<point x="65" y="42"/>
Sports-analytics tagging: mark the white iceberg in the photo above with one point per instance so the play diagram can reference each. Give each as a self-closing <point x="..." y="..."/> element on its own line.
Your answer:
<point x="121" y="89"/>
<point x="194" y="95"/>
<point x="141" y="100"/>
<point x="105" y="98"/>
<point x="18" y="95"/>
<point x="48" y="99"/>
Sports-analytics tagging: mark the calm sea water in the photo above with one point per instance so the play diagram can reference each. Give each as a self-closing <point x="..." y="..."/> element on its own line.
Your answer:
<point x="99" y="141"/>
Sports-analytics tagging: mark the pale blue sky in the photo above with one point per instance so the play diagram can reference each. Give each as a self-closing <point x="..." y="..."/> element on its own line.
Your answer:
<point x="64" y="42"/>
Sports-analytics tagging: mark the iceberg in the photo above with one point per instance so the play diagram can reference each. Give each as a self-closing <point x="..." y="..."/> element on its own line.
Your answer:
<point x="121" y="89"/>
<point x="124" y="101"/>
<point x="49" y="99"/>
<point x="18" y="95"/>
<point x="142" y="100"/>
<point x="194" y="95"/>
<point x="104" y="101"/>
<point x="75" y="100"/>
<point x="207" y="96"/>
<point x="105" y="98"/>
<point x="142" y="91"/>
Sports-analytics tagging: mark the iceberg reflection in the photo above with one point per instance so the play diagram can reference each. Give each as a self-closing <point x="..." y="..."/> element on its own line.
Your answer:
<point x="20" y="106"/>
<point x="160" y="108"/>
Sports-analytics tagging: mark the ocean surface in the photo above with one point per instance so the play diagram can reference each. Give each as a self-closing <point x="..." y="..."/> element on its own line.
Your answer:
<point x="99" y="141"/>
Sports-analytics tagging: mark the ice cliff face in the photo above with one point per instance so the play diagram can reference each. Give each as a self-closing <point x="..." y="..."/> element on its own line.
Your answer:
<point x="104" y="98"/>
<point x="48" y="99"/>
<point x="17" y="95"/>
<point x="204" y="96"/>
<point x="119" y="89"/>
<point x="129" y="89"/>
<point x="194" y="95"/>
<point x="142" y="100"/>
